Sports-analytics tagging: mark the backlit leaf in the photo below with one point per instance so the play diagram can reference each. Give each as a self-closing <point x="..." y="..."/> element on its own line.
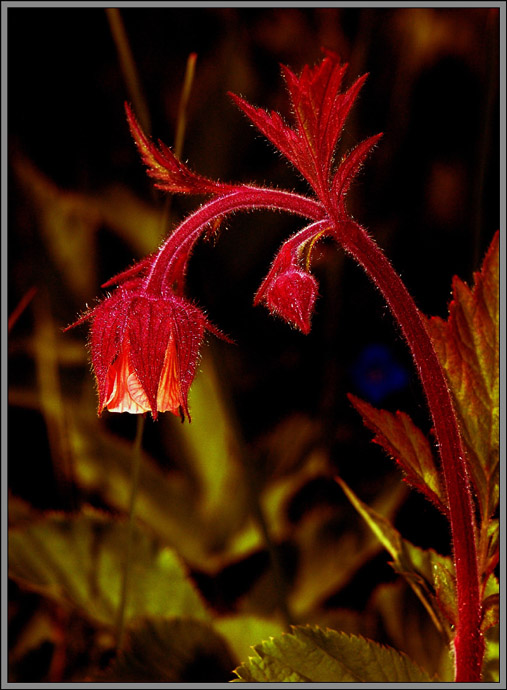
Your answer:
<point x="328" y="539"/>
<point x="242" y="632"/>
<point x="311" y="654"/>
<point x="491" y="665"/>
<point x="491" y="611"/>
<point x="183" y="507"/>
<point x="78" y="561"/>
<point x="333" y="548"/>
<point x="467" y="346"/>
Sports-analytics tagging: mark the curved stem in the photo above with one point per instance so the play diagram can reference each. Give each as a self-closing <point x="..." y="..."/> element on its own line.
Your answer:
<point x="468" y="642"/>
<point x="169" y="265"/>
<point x="180" y="242"/>
<point x="136" y="466"/>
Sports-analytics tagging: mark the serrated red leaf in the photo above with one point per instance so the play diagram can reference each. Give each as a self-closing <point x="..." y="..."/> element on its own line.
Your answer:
<point x="171" y="174"/>
<point x="406" y="443"/>
<point x="275" y="129"/>
<point x="320" y="111"/>
<point x="350" y="166"/>
<point x="467" y="345"/>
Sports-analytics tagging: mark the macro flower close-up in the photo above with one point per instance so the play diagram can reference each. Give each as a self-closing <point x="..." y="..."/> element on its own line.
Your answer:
<point x="299" y="208"/>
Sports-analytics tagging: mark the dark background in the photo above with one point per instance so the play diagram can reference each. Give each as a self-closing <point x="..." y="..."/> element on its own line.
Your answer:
<point x="429" y="194"/>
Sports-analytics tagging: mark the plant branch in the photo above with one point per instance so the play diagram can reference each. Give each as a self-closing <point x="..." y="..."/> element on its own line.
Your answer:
<point x="468" y="642"/>
<point x="186" y="234"/>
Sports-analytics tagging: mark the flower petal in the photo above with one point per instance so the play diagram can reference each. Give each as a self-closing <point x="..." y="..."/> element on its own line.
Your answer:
<point x="169" y="397"/>
<point x="124" y="392"/>
<point x="189" y="324"/>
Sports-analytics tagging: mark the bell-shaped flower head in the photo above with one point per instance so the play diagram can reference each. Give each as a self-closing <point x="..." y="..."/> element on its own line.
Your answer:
<point x="144" y="350"/>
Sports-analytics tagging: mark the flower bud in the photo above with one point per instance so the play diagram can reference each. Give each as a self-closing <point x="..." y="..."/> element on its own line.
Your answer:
<point x="292" y="296"/>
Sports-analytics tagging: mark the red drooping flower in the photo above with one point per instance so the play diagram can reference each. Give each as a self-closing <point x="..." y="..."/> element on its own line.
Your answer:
<point x="144" y="350"/>
<point x="145" y="337"/>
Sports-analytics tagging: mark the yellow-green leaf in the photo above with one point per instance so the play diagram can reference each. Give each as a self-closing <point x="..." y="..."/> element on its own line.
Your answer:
<point x="241" y="632"/>
<point x="491" y="665"/>
<point x="311" y="654"/>
<point x="67" y="222"/>
<point x="399" y="614"/>
<point x="78" y="562"/>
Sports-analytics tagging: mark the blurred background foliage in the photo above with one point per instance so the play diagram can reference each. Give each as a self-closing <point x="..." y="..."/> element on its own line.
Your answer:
<point x="271" y="424"/>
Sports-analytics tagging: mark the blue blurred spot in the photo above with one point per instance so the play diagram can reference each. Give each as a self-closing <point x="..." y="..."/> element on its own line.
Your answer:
<point x="376" y="373"/>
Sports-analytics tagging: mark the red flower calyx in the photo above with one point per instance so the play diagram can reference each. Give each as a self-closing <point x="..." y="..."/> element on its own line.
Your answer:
<point x="144" y="350"/>
<point x="291" y="296"/>
<point x="145" y="337"/>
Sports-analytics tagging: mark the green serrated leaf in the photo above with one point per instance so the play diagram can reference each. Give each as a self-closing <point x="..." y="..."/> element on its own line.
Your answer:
<point x="78" y="562"/>
<point x="445" y="586"/>
<point x="180" y="650"/>
<point x="311" y="654"/>
<point x="401" y="439"/>
<point x="467" y="345"/>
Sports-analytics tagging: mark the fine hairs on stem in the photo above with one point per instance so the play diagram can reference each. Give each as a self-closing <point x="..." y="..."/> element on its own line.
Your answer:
<point x="147" y="334"/>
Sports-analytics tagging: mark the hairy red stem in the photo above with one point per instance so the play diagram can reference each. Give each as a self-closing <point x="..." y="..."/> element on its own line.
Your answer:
<point x="184" y="236"/>
<point x="468" y="642"/>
